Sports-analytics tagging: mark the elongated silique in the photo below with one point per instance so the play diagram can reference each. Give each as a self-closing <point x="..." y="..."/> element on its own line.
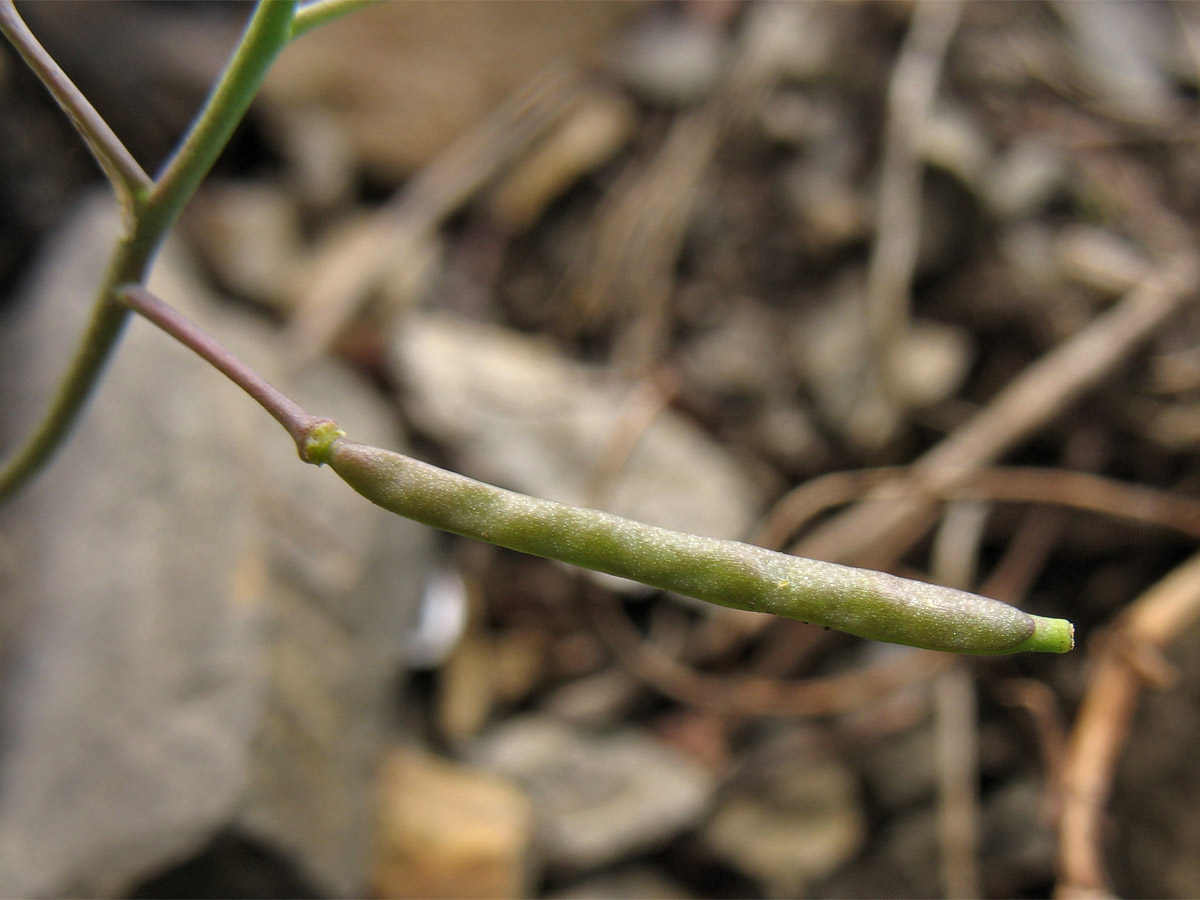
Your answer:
<point x="866" y="603"/>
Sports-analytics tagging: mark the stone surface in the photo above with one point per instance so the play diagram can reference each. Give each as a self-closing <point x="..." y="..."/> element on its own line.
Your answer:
<point x="516" y="413"/>
<point x="1120" y="47"/>
<point x="1024" y="179"/>
<point x="673" y="60"/>
<point x="403" y="80"/>
<point x="833" y="352"/>
<point x="449" y="831"/>
<point x="249" y="235"/>
<point x="797" y="824"/>
<point x="597" y="798"/>
<point x="629" y="883"/>
<point x="901" y="772"/>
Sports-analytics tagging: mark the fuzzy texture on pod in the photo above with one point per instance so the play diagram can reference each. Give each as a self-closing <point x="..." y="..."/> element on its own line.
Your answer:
<point x="730" y="573"/>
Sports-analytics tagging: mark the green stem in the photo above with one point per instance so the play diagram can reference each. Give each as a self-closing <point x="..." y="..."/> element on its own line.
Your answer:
<point x="94" y="349"/>
<point x="310" y="15"/>
<point x="154" y="212"/>
<point x="266" y="34"/>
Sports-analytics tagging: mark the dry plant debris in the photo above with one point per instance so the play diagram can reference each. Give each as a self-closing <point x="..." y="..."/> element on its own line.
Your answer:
<point x="904" y="285"/>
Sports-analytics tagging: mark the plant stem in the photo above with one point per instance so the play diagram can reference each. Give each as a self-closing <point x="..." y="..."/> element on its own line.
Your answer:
<point x="128" y="178"/>
<point x="298" y="423"/>
<point x="310" y="15"/>
<point x="265" y="35"/>
<point x="92" y="354"/>
<point x="154" y="212"/>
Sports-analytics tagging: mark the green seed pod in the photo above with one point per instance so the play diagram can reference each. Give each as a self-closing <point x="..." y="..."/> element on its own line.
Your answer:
<point x="730" y="573"/>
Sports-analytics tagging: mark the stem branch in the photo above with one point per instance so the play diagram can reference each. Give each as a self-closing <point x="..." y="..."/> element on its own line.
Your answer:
<point x="128" y="178"/>
<point x="153" y="211"/>
<point x="310" y="15"/>
<point x="298" y="423"/>
<point x="94" y="350"/>
<point x="266" y="34"/>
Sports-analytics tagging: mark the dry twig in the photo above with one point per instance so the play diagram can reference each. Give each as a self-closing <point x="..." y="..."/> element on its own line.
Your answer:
<point x="750" y="696"/>
<point x="891" y="519"/>
<point x="898" y="223"/>
<point x="958" y="781"/>
<point x="998" y="484"/>
<point x="1126" y="657"/>
<point x="627" y="270"/>
<point x="346" y="271"/>
<point x="955" y="560"/>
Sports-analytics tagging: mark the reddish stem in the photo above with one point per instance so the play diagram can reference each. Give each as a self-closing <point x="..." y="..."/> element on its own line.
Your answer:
<point x="296" y="421"/>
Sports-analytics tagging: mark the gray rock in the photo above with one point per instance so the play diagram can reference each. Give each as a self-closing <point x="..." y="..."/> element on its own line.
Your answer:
<point x="1122" y="49"/>
<point x="675" y="63"/>
<point x="796" y="824"/>
<point x="740" y="355"/>
<point x="833" y="350"/>
<point x="902" y="771"/>
<point x="1024" y="179"/>
<point x="516" y="413"/>
<point x="630" y="883"/>
<point x="597" y="798"/>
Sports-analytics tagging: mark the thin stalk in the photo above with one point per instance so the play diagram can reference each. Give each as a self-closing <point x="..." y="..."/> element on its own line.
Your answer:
<point x="266" y="34"/>
<point x="893" y="260"/>
<point x="154" y="213"/>
<point x="95" y="348"/>
<point x="298" y="423"/>
<point x="128" y="178"/>
<point x="311" y="15"/>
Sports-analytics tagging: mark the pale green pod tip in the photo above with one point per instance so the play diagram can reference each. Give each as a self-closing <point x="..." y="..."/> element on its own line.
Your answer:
<point x="1049" y="636"/>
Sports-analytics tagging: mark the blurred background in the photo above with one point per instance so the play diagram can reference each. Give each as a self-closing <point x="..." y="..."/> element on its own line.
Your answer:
<point x="903" y="285"/>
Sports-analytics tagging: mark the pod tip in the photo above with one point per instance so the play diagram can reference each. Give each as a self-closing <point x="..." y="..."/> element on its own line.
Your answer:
<point x="1049" y="636"/>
